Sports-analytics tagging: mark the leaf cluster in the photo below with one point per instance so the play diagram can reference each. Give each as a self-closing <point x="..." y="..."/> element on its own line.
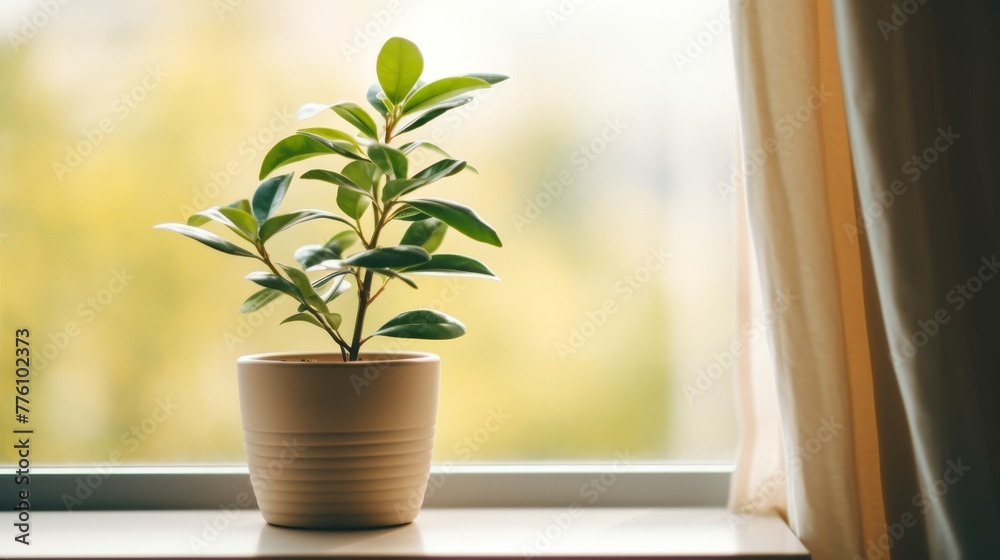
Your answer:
<point x="374" y="187"/>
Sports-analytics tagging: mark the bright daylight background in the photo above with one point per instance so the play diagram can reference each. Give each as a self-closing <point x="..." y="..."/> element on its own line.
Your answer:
<point x="209" y="87"/>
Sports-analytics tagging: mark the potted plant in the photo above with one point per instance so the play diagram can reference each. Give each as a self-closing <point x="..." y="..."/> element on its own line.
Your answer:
<point x="343" y="439"/>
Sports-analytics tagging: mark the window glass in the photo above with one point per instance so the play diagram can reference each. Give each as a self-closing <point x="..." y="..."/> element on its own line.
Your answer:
<point x="604" y="163"/>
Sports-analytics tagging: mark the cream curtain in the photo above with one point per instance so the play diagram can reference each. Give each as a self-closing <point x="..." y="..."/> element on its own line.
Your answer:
<point x="871" y="423"/>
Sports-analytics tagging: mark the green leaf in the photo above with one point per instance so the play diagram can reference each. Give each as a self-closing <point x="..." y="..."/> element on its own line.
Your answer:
<point x="428" y="233"/>
<point x="334" y="135"/>
<point x="433" y="113"/>
<point x="349" y="150"/>
<point x="197" y="220"/>
<point x="374" y="101"/>
<point x="492" y="79"/>
<point x="388" y="257"/>
<point x="243" y="221"/>
<point x="289" y="150"/>
<point x="352" y="203"/>
<point x="268" y="280"/>
<point x="422" y="323"/>
<point x="410" y="146"/>
<point x="462" y="218"/>
<point x="208" y="238"/>
<point x="407" y="148"/>
<point x="336" y="179"/>
<point x="416" y="86"/>
<point x="304" y="317"/>
<point x="343" y="240"/>
<point x="217" y="215"/>
<point x="285" y="221"/>
<point x="452" y="265"/>
<point x="304" y="286"/>
<point x="364" y="174"/>
<point x="319" y="283"/>
<point x="398" y="67"/>
<point x="398" y="187"/>
<point x="259" y="300"/>
<point x="341" y="287"/>
<point x="441" y="90"/>
<point x="393" y="274"/>
<point x="333" y="318"/>
<point x="358" y="117"/>
<point x="268" y="196"/>
<point x="409" y="215"/>
<point x="390" y="160"/>
<point x="311" y="255"/>
<point x="441" y="169"/>
<point x="242" y="204"/>
<point x="350" y="112"/>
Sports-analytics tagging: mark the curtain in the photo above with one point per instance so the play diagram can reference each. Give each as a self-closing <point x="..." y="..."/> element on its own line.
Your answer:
<point x="871" y="215"/>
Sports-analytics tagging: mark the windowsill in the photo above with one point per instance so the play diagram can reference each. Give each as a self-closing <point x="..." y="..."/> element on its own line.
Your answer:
<point x="438" y="533"/>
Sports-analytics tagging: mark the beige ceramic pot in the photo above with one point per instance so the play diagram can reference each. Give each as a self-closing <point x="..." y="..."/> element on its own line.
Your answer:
<point x="339" y="445"/>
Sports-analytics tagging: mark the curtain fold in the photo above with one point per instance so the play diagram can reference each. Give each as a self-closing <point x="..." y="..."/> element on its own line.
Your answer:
<point x="920" y="118"/>
<point x="885" y="372"/>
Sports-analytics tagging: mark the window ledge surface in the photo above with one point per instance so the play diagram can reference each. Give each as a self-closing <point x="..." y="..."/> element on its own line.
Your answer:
<point x="702" y="533"/>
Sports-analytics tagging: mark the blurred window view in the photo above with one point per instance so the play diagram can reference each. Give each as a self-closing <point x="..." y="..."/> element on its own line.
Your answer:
<point x="606" y="164"/>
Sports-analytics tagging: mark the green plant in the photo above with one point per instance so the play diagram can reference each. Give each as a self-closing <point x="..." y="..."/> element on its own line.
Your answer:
<point x="376" y="182"/>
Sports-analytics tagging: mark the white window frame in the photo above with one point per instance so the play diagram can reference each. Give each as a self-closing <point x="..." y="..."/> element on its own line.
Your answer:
<point x="512" y="485"/>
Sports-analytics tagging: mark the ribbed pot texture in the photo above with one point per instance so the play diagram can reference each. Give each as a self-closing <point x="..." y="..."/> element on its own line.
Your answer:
<point x="339" y="445"/>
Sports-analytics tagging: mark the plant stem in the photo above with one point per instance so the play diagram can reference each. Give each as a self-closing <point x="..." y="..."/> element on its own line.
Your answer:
<point x="266" y="259"/>
<point x="364" y="291"/>
<point x="365" y="286"/>
<point x="359" y="319"/>
<point x="380" y="290"/>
